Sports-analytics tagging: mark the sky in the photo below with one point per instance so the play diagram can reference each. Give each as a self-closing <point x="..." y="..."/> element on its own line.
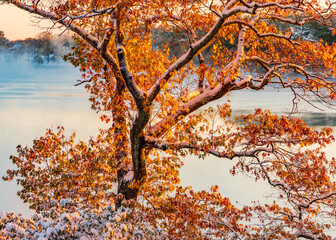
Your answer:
<point x="18" y="24"/>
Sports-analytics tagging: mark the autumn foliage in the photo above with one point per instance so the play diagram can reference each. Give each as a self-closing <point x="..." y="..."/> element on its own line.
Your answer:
<point x="154" y="96"/>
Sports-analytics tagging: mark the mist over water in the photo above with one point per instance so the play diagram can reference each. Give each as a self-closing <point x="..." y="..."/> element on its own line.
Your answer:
<point x="34" y="97"/>
<point x="21" y="78"/>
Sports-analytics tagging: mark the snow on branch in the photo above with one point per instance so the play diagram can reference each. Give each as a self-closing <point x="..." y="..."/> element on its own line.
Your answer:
<point x="164" y="145"/>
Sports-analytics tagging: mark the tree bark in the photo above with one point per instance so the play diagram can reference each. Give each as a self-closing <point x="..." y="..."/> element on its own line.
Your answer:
<point x="121" y="143"/>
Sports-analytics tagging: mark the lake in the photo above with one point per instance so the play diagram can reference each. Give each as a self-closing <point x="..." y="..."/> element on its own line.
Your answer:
<point x="36" y="97"/>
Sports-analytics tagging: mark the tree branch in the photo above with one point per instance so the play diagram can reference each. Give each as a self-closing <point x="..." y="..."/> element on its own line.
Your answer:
<point x="79" y="82"/>
<point x="220" y="221"/>
<point x="164" y="145"/>
<point x="196" y="47"/>
<point x="123" y="64"/>
<point x="89" y="38"/>
<point x="190" y="106"/>
<point x="93" y="13"/>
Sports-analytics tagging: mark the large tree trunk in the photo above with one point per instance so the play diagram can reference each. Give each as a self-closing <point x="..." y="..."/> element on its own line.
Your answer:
<point x="134" y="172"/>
<point x="121" y="144"/>
<point x="136" y="175"/>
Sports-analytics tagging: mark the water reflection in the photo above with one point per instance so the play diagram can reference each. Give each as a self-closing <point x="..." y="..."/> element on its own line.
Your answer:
<point x="320" y="119"/>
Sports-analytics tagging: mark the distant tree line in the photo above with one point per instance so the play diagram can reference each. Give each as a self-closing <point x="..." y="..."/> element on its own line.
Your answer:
<point x="312" y="31"/>
<point x="44" y="48"/>
<point x="179" y="40"/>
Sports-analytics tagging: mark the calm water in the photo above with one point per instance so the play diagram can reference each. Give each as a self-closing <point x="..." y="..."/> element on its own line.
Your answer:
<point x="36" y="97"/>
<point x="32" y="99"/>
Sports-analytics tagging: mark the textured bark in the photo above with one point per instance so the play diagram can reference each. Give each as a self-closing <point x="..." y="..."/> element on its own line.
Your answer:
<point x="204" y="98"/>
<point x="138" y="158"/>
<point x="120" y="139"/>
<point x="137" y="130"/>
<point x="138" y="174"/>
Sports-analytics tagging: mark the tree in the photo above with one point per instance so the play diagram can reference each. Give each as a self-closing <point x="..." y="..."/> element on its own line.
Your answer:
<point x="157" y="104"/>
<point x="3" y="39"/>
